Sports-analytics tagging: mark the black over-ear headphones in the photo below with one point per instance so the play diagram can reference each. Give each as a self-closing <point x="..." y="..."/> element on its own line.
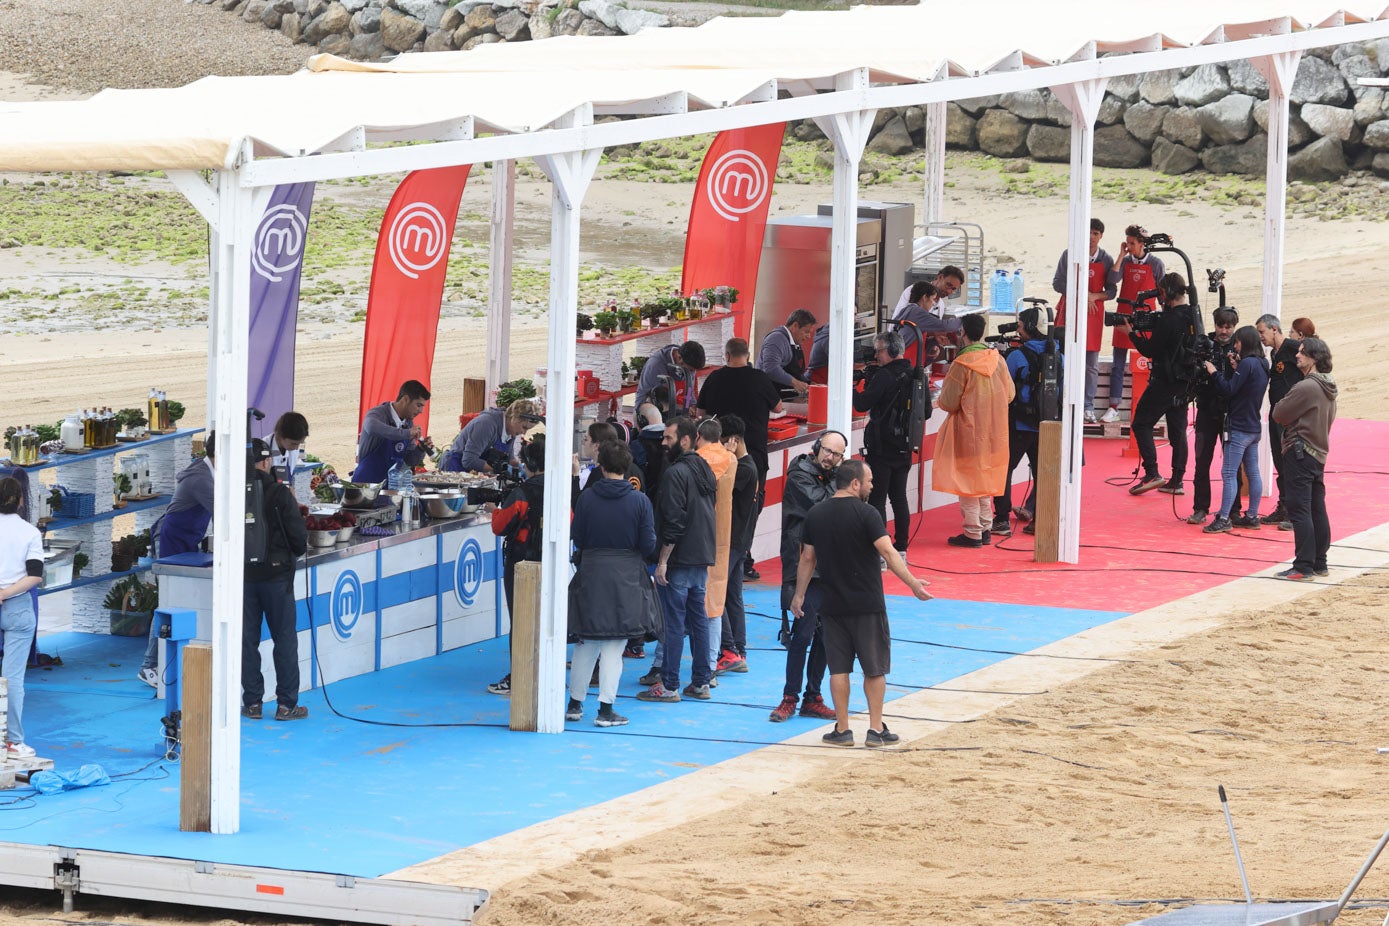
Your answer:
<point x="815" y="447"/>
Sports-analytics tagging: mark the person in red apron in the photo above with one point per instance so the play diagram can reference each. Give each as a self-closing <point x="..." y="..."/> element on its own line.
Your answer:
<point x="1138" y="272"/>
<point x="1102" y="287"/>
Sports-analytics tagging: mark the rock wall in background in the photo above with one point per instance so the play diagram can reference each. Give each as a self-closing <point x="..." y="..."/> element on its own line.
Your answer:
<point x="1214" y="116"/>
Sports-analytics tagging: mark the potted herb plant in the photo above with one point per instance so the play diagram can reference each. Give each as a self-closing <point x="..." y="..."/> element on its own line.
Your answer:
<point x="605" y="322"/>
<point x="121" y="484"/>
<point x="516" y="389"/>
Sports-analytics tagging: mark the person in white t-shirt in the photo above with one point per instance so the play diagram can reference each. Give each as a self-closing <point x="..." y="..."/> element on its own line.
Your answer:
<point x="21" y="571"/>
<point x="947" y="282"/>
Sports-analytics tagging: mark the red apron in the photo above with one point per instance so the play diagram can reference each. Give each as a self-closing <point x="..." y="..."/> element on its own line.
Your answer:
<point x="1137" y="276"/>
<point x="1095" y="318"/>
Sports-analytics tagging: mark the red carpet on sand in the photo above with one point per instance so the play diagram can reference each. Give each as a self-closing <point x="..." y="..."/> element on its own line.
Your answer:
<point x="1137" y="552"/>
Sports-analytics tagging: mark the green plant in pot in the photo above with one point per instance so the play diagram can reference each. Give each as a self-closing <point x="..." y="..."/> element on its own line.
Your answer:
<point x="121" y="484"/>
<point x="585" y="323"/>
<point x="80" y="561"/>
<point x="516" y="389"/>
<point x="606" y="322"/>
<point x="653" y="312"/>
<point x="130" y="418"/>
<point x="636" y="363"/>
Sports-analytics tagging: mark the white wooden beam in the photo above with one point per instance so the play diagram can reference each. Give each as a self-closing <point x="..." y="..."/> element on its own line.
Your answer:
<point x="1083" y="101"/>
<point x="503" y="231"/>
<point x="200" y="194"/>
<point x="933" y="201"/>
<point x="570" y="173"/>
<point x="850" y="134"/>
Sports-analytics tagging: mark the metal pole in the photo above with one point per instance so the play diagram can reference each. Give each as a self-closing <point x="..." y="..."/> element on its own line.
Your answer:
<point x="1364" y="870"/>
<point x="1239" y="860"/>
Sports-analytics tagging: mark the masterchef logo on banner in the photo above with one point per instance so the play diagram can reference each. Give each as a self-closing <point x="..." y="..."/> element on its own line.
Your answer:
<point x="407" y="284"/>
<point x="723" y="243"/>
<point x="277" y="256"/>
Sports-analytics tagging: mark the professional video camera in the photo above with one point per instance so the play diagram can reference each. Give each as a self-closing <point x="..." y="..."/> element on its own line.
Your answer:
<point x="1141" y="318"/>
<point x="865" y="354"/>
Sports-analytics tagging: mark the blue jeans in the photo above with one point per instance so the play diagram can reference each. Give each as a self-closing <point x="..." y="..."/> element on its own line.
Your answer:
<point x="18" y="621"/>
<point x="1116" y="377"/>
<point x="806" y="652"/>
<point x="1092" y="378"/>
<point x="1242" y="447"/>
<point x="683" y="599"/>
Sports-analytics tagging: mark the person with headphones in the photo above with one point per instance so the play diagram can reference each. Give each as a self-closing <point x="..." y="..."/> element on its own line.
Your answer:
<point x="492" y="430"/>
<point x="268" y="596"/>
<point x="520" y="523"/>
<point x="883" y="390"/>
<point x="1167" y="392"/>
<point x="809" y="481"/>
<point x="1024" y="417"/>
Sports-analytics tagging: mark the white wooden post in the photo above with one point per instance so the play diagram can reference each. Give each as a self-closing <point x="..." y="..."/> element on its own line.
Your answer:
<point x="1279" y="70"/>
<point x="850" y="133"/>
<point x="1083" y="100"/>
<point x="499" y="274"/>
<point x="933" y="202"/>
<point x="570" y="174"/>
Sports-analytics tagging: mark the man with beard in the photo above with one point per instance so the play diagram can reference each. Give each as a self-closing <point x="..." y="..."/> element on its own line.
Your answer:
<point x="844" y="538"/>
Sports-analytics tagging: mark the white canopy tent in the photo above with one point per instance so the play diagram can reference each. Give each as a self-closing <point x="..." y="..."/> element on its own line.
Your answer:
<point x="539" y="100"/>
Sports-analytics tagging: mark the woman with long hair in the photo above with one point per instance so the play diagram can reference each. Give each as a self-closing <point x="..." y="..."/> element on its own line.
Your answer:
<point x="1244" y="382"/>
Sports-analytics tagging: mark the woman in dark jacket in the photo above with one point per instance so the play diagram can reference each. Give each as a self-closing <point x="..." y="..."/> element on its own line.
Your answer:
<point x="611" y="597"/>
<point x="1244" y="383"/>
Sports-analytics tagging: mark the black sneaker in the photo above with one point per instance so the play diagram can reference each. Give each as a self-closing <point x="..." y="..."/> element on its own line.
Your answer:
<point x="1277" y="516"/>
<point x="575" y="710"/>
<point x="251" y="711"/>
<point x="1323" y="572"/>
<point x="838" y="738"/>
<point x="650" y="678"/>
<point x="610" y="719"/>
<point x="986" y="537"/>
<point x="1218" y="526"/>
<point x="1031" y="528"/>
<point x="1198" y="516"/>
<point x="1246" y="522"/>
<point x="1148" y="484"/>
<point x="502" y="687"/>
<point x="1002" y="527"/>
<point x="750" y="572"/>
<point x="698" y="692"/>
<point x="297" y="712"/>
<point x="964" y="540"/>
<point x="1172" y="487"/>
<point x="885" y="738"/>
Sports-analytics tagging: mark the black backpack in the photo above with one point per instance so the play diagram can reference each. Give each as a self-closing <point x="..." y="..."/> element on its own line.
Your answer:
<point x="1040" y="405"/>
<point x="524" y="537"/>
<point x="904" y="426"/>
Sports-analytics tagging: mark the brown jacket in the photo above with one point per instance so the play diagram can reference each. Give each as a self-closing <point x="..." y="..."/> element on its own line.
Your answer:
<point x="1306" y="414"/>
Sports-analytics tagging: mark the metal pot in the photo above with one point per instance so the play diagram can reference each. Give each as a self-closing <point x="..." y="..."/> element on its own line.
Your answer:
<point x="323" y="538"/>
<point x="444" y="505"/>
<point x="360" y="494"/>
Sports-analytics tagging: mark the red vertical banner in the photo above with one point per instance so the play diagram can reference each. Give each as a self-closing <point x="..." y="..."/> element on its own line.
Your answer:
<point x="723" y="243"/>
<point x="407" y="284"/>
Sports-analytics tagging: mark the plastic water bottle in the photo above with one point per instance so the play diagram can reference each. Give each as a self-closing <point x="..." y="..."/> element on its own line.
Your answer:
<point x="1000" y="291"/>
<point x="1017" y="288"/>
<point x="396" y="476"/>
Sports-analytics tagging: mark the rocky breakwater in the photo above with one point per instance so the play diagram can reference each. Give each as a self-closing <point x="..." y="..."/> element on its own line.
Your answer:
<point x="369" y="30"/>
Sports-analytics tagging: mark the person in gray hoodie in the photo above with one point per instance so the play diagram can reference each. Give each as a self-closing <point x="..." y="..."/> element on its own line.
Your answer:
<point x="1306" y="414"/>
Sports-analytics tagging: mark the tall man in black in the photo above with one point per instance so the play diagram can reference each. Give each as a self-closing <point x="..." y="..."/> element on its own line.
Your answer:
<point x="733" y="645"/>
<point x="845" y="538"/>
<point x="1211" y="408"/>
<point x="743" y="390"/>
<point x="1283" y="375"/>
<point x="883" y="390"/>
<point x="1166" y="395"/>
<point x="269" y="595"/>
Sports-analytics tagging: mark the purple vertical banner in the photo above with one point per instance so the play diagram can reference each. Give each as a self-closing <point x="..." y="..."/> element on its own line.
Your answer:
<point x="276" y="259"/>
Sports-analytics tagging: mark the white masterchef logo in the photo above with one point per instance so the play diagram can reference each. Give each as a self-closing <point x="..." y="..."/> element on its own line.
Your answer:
<point x="416" y="240"/>
<point x="737" y="184"/>
<point x="279" y="244"/>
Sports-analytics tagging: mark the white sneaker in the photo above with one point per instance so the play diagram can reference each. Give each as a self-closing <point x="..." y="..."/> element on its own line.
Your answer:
<point x="1111" y="416"/>
<point x="1090" y="417"/>
<point x="19" y="751"/>
<point x="150" y="677"/>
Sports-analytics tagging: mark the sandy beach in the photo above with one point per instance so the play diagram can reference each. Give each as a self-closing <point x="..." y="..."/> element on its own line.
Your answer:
<point x="1087" y="802"/>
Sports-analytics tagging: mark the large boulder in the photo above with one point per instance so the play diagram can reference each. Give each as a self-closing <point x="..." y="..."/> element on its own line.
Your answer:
<point x="596" y="27"/>
<point x="291" y="27"/>
<point x="1228" y="120"/>
<point x="1159" y="87"/>
<point x="893" y="138"/>
<point x="334" y="20"/>
<point x="1369" y="107"/>
<point x="1348" y="50"/>
<point x="1144" y="120"/>
<point x="1298" y="132"/>
<point x="452" y="19"/>
<point x="1378" y="50"/>
<point x="270" y="17"/>
<point x="367" y="46"/>
<point x="976" y="105"/>
<point x="1125" y="87"/>
<point x="1206" y="84"/>
<point x="1172" y="158"/>
<point x="1377" y="136"/>
<point x="1245" y="78"/>
<point x="1380" y="165"/>
<point x="1002" y="134"/>
<point x="251" y="11"/>
<point x="353" y="6"/>
<point x="429" y="12"/>
<point x="569" y="21"/>
<point x="486" y="38"/>
<point x="959" y="127"/>
<point x="1249" y="158"/>
<point x="1111" y="110"/>
<point x="1356" y="67"/>
<point x="630" y="22"/>
<point x="514" y="26"/>
<point x="601" y="10"/>
<point x="1115" y="147"/>
<point x="366" y="20"/>
<point x="1330" y="121"/>
<point x="339" y="43"/>
<point x="481" y="19"/>
<point x="400" y="32"/>
<point x="1183" y="126"/>
<point x="542" y="24"/>
<point x="1027" y="104"/>
<point x="439" y="40"/>
<point x="1049" y="143"/>
<point x="1057" y="111"/>
<point x="915" y="118"/>
<point x="1318" y="82"/>
<point x="808" y="130"/>
<point x="1323" y="159"/>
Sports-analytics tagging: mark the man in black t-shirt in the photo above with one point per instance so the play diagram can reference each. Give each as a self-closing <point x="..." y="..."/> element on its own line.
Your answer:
<point x="844" y="537"/>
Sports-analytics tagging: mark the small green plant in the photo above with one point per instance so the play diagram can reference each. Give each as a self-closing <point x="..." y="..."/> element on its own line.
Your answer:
<point x="637" y="363"/>
<point x="80" y="561"/>
<point x="516" y="389"/>
<point x="132" y="595"/>
<point x="121" y="483"/>
<point x="605" y="321"/>
<point x="585" y="323"/>
<point x="55" y="499"/>
<point x="176" y="410"/>
<point x="129" y="418"/>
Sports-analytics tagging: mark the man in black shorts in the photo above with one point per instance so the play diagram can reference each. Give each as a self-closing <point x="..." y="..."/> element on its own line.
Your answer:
<point x="850" y="537"/>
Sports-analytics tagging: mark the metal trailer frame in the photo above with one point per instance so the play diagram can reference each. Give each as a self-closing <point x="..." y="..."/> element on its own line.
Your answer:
<point x="307" y="894"/>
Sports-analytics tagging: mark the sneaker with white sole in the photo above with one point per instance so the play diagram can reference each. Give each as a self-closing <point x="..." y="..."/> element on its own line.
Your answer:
<point x="19" y="751"/>
<point x="1110" y="416"/>
<point x="1091" y="417"/>
<point x="150" y="677"/>
<point x="501" y="687"/>
<point x="875" y="738"/>
<point x="1148" y="484"/>
<point x="610" y="719"/>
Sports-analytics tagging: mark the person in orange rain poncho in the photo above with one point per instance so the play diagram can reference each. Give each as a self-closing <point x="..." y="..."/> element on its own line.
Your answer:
<point x="971" y="458"/>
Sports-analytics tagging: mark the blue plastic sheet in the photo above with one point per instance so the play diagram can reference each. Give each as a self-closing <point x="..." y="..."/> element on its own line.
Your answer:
<point x="48" y="782"/>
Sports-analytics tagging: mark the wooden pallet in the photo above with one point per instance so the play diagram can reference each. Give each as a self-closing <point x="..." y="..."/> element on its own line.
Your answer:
<point x="13" y="771"/>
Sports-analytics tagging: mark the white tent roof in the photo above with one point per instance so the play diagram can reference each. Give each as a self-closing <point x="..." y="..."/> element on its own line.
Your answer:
<point x="524" y="86"/>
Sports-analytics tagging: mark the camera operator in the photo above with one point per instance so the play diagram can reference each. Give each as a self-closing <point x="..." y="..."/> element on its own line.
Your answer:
<point x="1167" y="345"/>
<point x="519" y="521"/>
<point x="1025" y="416"/>
<point x="1138" y="271"/>
<point x="1283" y="375"/>
<point x="1212" y="406"/>
<point x="883" y="391"/>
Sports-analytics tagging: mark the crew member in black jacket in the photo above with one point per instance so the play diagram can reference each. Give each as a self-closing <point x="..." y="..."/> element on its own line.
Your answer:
<point x="1283" y="375"/>
<point x="889" y="456"/>
<point x="1166" y="395"/>
<point x="268" y="595"/>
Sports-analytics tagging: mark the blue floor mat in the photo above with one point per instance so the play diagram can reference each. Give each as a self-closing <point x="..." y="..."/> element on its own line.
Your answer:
<point x="332" y="794"/>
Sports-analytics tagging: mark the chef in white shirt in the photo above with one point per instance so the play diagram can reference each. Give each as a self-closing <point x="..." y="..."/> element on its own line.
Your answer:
<point x="286" y="446"/>
<point x="947" y="282"/>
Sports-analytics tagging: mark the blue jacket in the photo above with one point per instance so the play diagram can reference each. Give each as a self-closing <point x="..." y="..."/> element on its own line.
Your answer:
<point x="611" y="514"/>
<point x="1021" y="372"/>
<point x="1245" y="386"/>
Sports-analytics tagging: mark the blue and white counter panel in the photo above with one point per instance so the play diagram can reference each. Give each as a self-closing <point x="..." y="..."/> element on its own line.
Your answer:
<point x="375" y="602"/>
